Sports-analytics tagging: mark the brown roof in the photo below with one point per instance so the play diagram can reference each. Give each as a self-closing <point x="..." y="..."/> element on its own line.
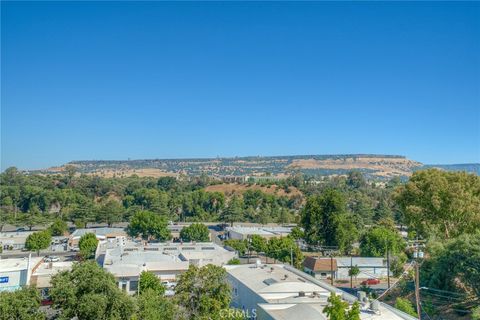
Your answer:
<point x="319" y="264"/>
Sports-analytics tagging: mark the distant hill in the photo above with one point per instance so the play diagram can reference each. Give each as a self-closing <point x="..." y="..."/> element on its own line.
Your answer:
<point x="468" y="167"/>
<point x="372" y="165"/>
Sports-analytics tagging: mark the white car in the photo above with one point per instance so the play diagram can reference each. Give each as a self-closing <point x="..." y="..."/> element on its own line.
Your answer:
<point x="51" y="259"/>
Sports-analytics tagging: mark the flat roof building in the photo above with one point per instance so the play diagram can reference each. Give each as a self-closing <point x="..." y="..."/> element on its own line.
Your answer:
<point x="109" y="234"/>
<point x="16" y="272"/>
<point x="280" y="292"/>
<point x="167" y="260"/>
<point x="13" y="240"/>
<point x="242" y="233"/>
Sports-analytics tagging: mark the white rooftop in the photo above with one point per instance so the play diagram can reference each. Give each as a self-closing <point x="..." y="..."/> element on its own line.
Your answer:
<point x="18" y="264"/>
<point x="102" y="232"/>
<point x="260" y="230"/>
<point x="292" y="294"/>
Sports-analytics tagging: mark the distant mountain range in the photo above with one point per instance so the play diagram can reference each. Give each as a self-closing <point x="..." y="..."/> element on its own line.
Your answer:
<point x="372" y="165"/>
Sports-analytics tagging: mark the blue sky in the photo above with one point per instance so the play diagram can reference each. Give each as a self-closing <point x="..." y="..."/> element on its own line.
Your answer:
<point x="118" y="80"/>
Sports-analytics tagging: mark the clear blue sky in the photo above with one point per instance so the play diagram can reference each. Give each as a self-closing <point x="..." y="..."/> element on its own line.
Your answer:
<point x="118" y="80"/>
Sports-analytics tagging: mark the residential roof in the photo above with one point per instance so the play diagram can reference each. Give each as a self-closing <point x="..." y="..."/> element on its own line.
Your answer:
<point x="320" y="264"/>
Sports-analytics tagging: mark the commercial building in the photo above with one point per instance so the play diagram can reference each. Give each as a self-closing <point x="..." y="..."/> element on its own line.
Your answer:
<point x="102" y="234"/>
<point x="14" y="240"/>
<point x="242" y="233"/>
<point x="44" y="271"/>
<point x="322" y="268"/>
<point x="167" y="260"/>
<point x="280" y="292"/>
<point x="15" y="273"/>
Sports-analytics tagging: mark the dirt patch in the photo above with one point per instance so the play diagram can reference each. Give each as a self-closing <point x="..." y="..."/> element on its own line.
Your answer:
<point x="234" y="188"/>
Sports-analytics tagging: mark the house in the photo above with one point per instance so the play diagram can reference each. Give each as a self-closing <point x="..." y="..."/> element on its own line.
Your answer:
<point x="320" y="268"/>
<point x="280" y="292"/>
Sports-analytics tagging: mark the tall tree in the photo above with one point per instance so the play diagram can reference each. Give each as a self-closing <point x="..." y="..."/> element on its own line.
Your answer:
<point x="234" y="211"/>
<point x="89" y="292"/>
<point x="88" y="245"/>
<point x="38" y="241"/>
<point x="21" y="304"/>
<point x="203" y="292"/>
<point x="337" y="309"/>
<point x="111" y="211"/>
<point x="441" y="203"/>
<point x="376" y="241"/>
<point x="148" y="225"/>
<point x="326" y="221"/>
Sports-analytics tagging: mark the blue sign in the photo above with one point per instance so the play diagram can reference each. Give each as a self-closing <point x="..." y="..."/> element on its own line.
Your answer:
<point x="3" y="279"/>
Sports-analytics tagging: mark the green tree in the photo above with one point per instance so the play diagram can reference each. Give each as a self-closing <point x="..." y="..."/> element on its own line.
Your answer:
<point x="375" y="242"/>
<point x="337" y="309"/>
<point x="476" y="313"/>
<point x="154" y="306"/>
<point x="234" y="211"/>
<point x="21" y="304"/>
<point x="258" y="243"/>
<point x="89" y="292"/>
<point x="297" y="233"/>
<point x="195" y="232"/>
<point x="283" y="249"/>
<point x="454" y="265"/>
<point x="88" y="245"/>
<point x="354" y="271"/>
<point x="38" y="241"/>
<point x="110" y="212"/>
<point x="148" y="225"/>
<point x="326" y="221"/>
<point x="58" y="227"/>
<point x="406" y="306"/>
<point x="203" y="292"/>
<point x="240" y="246"/>
<point x="149" y="281"/>
<point x="442" y="203"/>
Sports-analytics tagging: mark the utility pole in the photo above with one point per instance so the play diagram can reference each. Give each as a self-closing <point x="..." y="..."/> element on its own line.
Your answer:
<point x="331" y="268"/>
<point x="388" y="268"/>
<point x="417" y="255"/>
<point x="351" y="272"/>
<point x="291" y="256"/>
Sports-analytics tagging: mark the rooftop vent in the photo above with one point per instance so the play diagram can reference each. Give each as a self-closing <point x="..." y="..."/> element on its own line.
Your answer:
<point x="301" y="294"/>
<point x="285" y="277"/>
<point x="269" y="281"/>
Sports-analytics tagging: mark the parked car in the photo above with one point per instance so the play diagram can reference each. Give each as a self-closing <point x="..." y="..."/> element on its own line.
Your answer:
<point x="370" y="282"/>
<point x="51" y="259"/>
<point x="21" y="230"/>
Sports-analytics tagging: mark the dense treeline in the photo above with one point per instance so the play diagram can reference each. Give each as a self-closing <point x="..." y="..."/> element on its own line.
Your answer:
<point x="29" y="200"/>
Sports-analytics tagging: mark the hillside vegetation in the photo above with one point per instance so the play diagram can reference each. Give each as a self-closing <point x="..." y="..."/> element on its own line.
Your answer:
<point x="377" y="167"/>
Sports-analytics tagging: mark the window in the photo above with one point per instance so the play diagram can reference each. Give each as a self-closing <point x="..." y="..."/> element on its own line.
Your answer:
<point x="124" y="286"/>
<point x="323" y="274"/>
<point x="134" y="285"/>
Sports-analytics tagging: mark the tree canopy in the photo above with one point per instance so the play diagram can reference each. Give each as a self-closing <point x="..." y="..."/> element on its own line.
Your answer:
<point x="21" y="304"/>
<point x="148" y="225"/>
<point x="441" y="203"/>
<point x="89" y="292"/>
<point x="375" y="241"/>
<point x="88" y="245"/>
<point x="38" y="241"/>
<point x="149" y="281"/>
<point x="195" y="232"/>
<point x="203" y="292"/>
